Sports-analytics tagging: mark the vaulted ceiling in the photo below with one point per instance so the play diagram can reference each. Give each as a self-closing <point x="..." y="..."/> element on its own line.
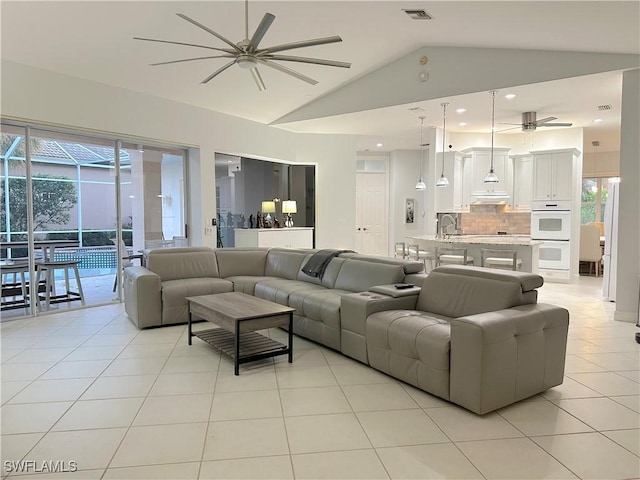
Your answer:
<point x="94" y="40"/>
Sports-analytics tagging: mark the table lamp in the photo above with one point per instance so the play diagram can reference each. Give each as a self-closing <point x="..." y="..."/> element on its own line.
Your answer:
<point x="268" y="207"/>
<point x="289" y="207"/>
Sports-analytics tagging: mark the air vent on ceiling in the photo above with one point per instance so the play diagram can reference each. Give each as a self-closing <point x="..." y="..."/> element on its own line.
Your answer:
<point x="417" y="14"/>
<point x="604" y="107"/>
<point x="416" y="109"/>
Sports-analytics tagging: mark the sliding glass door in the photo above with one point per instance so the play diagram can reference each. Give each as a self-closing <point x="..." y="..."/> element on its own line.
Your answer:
<point x="77" y="209"/>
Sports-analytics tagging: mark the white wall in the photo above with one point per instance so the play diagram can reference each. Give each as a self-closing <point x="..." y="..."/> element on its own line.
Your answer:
<point x="42" y="96"/>
<point x="601" y="164"/>
<point x="522" y="142"/>
<point x="628" y="277"/>
<point x="404" y="170"/>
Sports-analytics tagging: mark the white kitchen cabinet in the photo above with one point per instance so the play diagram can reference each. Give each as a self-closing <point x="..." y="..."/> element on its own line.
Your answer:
<point x="460" y="189"/>
<point x="294" y="237"/>
<point x="522" y="182"/>
<point x="449" y="198"/>
<point x="553" y="175"/>
<point x="477" y="167"/>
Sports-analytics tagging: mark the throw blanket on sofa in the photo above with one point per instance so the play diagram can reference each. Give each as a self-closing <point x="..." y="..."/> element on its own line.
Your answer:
<point x="318" y="262"/>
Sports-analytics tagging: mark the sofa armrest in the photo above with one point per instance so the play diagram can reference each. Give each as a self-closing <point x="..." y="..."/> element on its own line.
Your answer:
<point x="354" y="310"/>
<point x="500" y="357"/>
<point x="142" y="297"/>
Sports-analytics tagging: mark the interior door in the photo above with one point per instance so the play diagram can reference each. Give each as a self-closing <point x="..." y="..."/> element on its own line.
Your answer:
<point x="372" y="213"/>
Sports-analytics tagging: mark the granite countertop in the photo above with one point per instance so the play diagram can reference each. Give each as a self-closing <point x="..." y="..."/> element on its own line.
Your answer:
<point x="517" y="240"/>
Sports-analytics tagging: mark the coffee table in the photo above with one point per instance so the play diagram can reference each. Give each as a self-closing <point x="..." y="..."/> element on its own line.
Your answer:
<point x="240" y="315"/>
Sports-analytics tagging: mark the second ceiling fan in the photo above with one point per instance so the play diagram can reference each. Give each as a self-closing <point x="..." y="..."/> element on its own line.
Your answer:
<point x="529" y="122"/>
<point x="247" y="54"/>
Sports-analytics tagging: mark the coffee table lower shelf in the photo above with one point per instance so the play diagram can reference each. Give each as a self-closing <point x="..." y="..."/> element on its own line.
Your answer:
<point x="253" y="346"/>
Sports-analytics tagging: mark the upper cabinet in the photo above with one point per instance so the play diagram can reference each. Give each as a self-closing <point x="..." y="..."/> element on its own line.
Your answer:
<point x="477" y="166"/>
<point x="522" y="182"/>
<point x="553" y="175"/>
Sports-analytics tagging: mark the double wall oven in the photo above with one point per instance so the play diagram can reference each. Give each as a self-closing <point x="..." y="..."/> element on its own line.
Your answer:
<point x="551" y="224"/>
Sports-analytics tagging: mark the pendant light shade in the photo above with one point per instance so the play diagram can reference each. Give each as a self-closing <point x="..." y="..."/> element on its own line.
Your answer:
<point x="491" y="177"/>
<point x="443" y="181"/>
<point x="421" y="185"/>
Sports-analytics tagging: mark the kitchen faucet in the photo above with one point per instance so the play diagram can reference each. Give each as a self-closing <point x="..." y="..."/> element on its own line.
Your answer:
<point x="443" y="229"/>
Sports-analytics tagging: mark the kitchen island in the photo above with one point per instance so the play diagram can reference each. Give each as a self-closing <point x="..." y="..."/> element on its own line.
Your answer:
<point x="527" y="249"/>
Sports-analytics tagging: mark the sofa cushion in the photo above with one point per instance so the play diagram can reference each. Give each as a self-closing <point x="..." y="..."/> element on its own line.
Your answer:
<point x="413" y="346"/>
<point x="179" y="263"/>
<point x="527" y="281"/>
<point x="174" y="293"/>
<point x="319" y="305"/>
<point x="455" y="296"/>
<point x="360" y="275"/>
<point x="285" y="263"/>
<point x="240" y="261"/>
<point x="409" y="266"/>
<point x="245" y="284"/>
<point x="278" y="289"/>
<point x="328" y="279"/>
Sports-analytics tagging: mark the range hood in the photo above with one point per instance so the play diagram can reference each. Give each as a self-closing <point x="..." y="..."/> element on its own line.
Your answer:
<point x="489" y="198"/>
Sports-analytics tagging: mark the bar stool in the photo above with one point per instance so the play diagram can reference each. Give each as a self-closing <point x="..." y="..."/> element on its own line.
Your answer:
<point x="400" y="250"/>
<point x="504" y="259"/>
<point x="48" y="268"/>
<point x="452" y="256"/>
<point x="414" y="253"/>
<point x="12" y="288"/>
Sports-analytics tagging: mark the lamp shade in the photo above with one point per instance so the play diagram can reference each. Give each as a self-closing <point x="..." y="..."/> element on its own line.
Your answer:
<point x="268" y="206"/>
<point x="289" y="206"/>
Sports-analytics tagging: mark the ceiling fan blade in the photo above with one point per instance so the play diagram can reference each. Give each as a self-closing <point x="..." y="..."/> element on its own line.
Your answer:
<point x="287" y="70"/>
<point x="207" y="29"/>
<point x="266" y="22"/>
<point x="256" y="76"/>
<point x="191" y="60"/>
<point x="556" y="125"/>
<point x="218" y="72"/>
<point x="508" y="123"/>
<point x="545" y="120"/>
<point x="226" y="50"/>
<point x="300" y="44"/>
<point x="315" y="61"/>
<point x="510" y="128"/>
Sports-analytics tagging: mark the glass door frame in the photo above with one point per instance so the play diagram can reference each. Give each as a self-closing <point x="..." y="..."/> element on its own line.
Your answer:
<point x="118" y="141"/>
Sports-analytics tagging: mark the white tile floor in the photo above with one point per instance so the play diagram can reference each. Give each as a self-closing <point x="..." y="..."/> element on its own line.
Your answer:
<point x="87" y="386"/>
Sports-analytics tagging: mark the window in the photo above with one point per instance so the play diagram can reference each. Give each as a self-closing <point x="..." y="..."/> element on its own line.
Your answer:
<point x="594" y="199"/>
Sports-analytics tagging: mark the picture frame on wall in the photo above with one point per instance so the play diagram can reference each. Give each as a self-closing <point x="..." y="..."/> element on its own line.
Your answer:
<point x="409" y="210"/>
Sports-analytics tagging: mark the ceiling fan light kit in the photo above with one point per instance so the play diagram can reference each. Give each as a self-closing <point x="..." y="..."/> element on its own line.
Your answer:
<point x="247" y="55"/>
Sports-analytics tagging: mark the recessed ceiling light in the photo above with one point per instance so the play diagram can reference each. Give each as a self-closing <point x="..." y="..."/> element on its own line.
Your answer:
<point x="598" y="120"/>
<point x="461" y="110"/>
<point x="230" y="161"/>
<point x="510" y="96"/>
<point x="463" y="124"/>
<point x="378" y="145"/>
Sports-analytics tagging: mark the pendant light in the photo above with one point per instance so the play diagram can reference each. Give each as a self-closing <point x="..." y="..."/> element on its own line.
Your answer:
<point x="491" y="177"/>
<point x="443" y="181"/>
<point x="421" y="185"/>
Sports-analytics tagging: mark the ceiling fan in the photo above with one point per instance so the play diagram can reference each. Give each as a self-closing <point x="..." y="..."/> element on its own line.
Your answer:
<point x="247" y="55"/>
<point x="529" y="122"/>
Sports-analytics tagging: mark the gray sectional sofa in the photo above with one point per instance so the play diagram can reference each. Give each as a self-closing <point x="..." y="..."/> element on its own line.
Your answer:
<point x="473" y="336"/>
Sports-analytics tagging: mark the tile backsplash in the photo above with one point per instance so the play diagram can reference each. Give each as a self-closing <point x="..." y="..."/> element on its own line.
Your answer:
<point x="491" y="219"/>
